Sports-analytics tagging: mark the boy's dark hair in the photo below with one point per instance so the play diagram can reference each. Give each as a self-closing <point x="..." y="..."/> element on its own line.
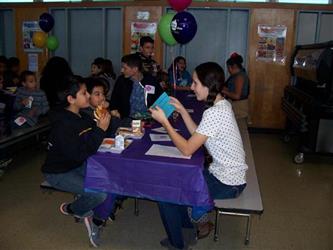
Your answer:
<point x="99" y="62"/>
<point x="25" y="74"/>
<point x="211" y="75"/>
<point x="132" y="60"/>
<point x="146" y="39"/>
<point x="73" y="85"/>
<point x="235" y="59"/>
<point x="92" y="82"/>
<point x="3" y="60"/>
<point x="12" y="62"/>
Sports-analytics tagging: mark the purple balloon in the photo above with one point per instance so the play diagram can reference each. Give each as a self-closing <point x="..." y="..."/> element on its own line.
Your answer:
<point x="183" y="27"/>
<point x="46" y="22"/>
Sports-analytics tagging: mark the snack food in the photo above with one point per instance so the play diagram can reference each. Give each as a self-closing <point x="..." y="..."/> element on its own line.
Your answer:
<point x="108" y="145"/>
<point x="128" y="133"/>
<point x="108" y="141"/>
<point x="100" y="111"/>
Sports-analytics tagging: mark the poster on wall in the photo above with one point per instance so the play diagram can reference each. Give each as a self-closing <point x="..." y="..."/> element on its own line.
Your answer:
<point x="140" y="29"/>
<point x="28" y="29"/>
<point x="271" y="43"/>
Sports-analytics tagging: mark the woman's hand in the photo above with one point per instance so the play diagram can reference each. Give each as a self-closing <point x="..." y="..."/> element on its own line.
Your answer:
<point x="158" y="114"/>
<point x="178" y="106"/>
<point x="104" y="121"/>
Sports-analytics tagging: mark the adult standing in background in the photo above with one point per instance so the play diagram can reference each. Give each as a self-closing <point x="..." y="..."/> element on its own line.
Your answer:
<point x="53" y="78"/>
<point x="238" y="86"/>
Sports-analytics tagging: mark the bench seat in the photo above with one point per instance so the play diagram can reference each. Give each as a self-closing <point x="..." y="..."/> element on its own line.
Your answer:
<point x="249" y="202"/>
<point x="21" y="134"/>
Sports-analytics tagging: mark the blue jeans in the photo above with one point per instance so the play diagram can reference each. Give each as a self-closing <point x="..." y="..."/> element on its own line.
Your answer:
<point x="174" y="218"/>
<point x="88" y="202"/>
<point x="217" y="190"/>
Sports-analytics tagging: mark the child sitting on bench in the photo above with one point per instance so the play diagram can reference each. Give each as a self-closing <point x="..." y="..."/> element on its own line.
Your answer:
<point x="30" y="102"/>
<point x="97" y="88"/>
<point x="75" y="137"/>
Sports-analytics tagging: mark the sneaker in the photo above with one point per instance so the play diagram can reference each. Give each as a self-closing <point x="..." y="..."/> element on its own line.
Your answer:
<point x="66" y="211"/>
<point x="204" y="229"/>
<point x="93" y="231"/>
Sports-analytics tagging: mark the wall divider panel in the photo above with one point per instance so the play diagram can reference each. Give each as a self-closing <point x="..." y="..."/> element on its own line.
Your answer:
<point x="314" y="27"/>
<point x="87" y="33"/>
<point x="7" y="33"/>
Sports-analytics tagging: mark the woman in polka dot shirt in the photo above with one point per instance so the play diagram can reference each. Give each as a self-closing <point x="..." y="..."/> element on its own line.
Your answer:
<point x="219" y="132"/>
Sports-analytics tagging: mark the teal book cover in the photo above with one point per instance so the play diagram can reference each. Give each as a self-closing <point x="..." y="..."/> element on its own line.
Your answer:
<point x="163" y="103"/>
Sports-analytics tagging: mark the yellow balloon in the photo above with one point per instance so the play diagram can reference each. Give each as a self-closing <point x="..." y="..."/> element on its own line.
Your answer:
<point x="39" y="39"/>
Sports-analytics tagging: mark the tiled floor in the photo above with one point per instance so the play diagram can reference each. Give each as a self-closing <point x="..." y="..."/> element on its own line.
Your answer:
<point x="298" y="209"/>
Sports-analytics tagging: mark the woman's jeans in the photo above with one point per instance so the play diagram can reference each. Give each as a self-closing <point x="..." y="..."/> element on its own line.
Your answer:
<point x="175" y="217"/>
<point x="88" y="203"/>
<point x="218" y="190"/>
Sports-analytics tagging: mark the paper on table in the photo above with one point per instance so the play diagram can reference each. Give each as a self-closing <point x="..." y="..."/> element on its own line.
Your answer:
<point x="166" y="151"/>
<point x="159" y="137"/>
<point x="161" y="130"/>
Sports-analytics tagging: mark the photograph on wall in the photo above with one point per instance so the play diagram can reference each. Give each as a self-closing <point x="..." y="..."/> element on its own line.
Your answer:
<point x="28" y="30"/>
<point x="271" y="43"/>
<point x="140" y="29"/>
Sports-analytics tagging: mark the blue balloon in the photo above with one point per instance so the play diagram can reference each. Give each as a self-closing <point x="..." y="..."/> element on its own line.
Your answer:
<point x="183" y="27"/>
<point x="46" y="22"/>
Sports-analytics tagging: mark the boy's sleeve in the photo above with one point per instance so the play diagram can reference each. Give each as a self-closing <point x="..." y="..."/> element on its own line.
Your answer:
<point x="116" y="94"/>
<point x="78" y="147"/>
<point x="158" y="89"/>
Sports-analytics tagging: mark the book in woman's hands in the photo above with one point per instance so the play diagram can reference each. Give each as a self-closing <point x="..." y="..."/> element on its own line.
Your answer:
<point x="163" y="103"/>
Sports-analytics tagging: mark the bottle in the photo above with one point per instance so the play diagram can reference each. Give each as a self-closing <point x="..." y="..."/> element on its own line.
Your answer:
<point x="119" y="142"/>
<point x="30" y="102"/>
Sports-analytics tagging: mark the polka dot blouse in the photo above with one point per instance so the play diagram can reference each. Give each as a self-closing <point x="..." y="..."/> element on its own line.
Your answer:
<point x="224" y="144"/>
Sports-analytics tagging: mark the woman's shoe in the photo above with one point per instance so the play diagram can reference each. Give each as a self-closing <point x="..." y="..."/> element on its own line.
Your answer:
<point x="204" y="229"/>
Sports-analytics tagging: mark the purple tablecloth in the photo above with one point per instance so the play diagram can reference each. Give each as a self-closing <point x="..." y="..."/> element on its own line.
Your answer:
<point x="135" y="174"/>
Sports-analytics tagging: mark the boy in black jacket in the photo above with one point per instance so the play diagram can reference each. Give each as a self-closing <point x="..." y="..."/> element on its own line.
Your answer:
<point x="73" y="139"/>
<point x="134" y="91"/>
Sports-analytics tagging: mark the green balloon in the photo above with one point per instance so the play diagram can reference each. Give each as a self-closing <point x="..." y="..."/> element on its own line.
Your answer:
<point x="52" y="43"/>
<point x="164" y="29"/>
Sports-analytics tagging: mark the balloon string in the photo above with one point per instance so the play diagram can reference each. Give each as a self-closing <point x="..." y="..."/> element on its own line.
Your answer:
<point x="173" y="69"/>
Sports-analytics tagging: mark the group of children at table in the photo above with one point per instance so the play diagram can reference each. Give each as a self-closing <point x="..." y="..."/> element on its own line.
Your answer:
<point x="76" y="135"/>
